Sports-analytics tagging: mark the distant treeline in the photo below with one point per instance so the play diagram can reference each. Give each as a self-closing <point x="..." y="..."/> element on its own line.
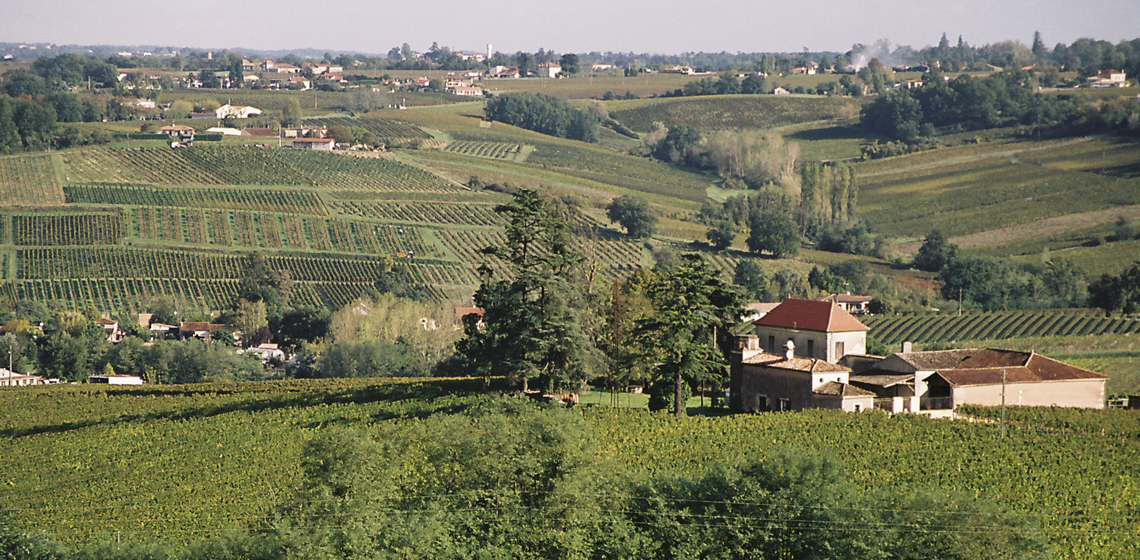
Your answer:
<point x="34" y="101"/>
<point x="1005" y="99"/>
<point x="1085" y="56"/>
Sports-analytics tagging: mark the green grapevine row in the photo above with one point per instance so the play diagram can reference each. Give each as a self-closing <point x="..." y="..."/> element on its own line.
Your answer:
<point x="300" y="202"/>
<point x="423" y="212"/>
<point x="997" y="325"/>
<point x="494" y="150"/>
<point x="67" y="229"/>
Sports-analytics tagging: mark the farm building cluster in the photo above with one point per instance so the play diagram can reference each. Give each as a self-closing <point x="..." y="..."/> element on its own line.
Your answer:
<point x="805" y="354"/>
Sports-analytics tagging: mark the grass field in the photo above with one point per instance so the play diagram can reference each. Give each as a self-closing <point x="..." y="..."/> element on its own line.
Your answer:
<point x="177" y="463"/>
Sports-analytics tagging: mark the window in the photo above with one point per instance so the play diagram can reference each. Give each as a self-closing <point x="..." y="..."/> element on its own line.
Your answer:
<point x="811" y="348"/>
<point x="858" y="407"/>
<point x="783" y="405"/>
<point x="772" y="343"/>
<point x="762" y="403"/>
<point x="839" y="353"/>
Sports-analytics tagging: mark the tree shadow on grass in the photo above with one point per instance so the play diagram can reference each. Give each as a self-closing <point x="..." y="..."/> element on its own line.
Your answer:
<point x="428" y="392"/>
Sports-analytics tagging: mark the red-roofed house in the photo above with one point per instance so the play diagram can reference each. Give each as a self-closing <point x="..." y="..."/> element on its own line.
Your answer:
<point x="818" y="329"/>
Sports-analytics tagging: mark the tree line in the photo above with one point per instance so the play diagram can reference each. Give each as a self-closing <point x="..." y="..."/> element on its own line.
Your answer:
<point x="1004" y="99"/>
<point x="543" y="113"/>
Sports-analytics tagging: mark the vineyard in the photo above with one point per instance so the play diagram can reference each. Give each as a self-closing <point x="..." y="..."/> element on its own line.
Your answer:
<point x="298" y="202"/>
<point x="721" y="112"/>
<point x="29" y="180"/>
<point x="242" y="165"/>
<point x="423" y="212"/>
<point x="384" y="129"/>
<point x="66" y="263"/>
<point x="974" y="189"/>
<point x="996" y="325"/>
<point x="66" y="229"/>
<point x="188" y="461"/>
<point x="493" y="150"/>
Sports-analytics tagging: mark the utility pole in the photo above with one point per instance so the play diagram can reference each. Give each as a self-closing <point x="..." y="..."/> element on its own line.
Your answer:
<point x="1002" y="403"/>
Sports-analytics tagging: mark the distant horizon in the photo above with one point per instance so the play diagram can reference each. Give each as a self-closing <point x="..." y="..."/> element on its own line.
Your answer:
<point x="587" y="26"/>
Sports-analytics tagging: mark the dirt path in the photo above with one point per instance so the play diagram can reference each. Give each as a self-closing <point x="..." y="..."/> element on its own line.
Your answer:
<point x="1038" y="228"/>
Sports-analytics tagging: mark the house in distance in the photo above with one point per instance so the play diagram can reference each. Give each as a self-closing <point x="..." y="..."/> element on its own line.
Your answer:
<point x="811" y="354"/>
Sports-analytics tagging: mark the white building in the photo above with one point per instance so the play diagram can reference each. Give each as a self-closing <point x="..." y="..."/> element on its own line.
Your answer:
<point x="115" y="379"/>
<point x="228" y="111"/>
<point x="13" y="379"/>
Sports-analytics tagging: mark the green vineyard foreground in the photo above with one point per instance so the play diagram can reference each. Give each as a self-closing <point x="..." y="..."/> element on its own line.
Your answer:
<point x="997" y="325"/>
<point x="181" y="462"/>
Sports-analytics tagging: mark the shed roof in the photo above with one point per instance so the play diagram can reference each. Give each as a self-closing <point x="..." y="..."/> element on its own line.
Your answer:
<point x="882" y="380"/>
<point x="808" y="315"/>
<point x="937" y="359"/>
<point x="1019" y="367"/>
<point x="837" y="389"/>
<point x="808" y="365"/>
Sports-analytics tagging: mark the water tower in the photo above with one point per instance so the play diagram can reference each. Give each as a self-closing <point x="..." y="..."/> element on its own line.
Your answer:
<point x="490" y="52"/>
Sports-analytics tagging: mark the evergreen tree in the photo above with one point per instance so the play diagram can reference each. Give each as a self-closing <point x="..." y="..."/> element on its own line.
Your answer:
<point x="534" y="322"/>
<point x="692" y="305"/>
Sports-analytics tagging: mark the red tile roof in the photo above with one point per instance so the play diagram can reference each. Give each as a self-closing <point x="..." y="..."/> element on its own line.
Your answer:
<point x="808" y="315"/>
<point x="985" y="368"/>
<point x="810" y="365"/>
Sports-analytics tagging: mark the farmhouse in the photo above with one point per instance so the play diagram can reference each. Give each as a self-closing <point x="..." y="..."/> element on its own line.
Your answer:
<point x="267" y="351"/>
<point x="811" y="354"/>
<point x="198" y="329"/>
<point x="13" y="379"/>
<point x="304" y="132"/>
<point x="1110" y="78"/>
<point x="503" y="72"/>
<point x="111" y="327"/>
<point x="763" y="381"/>
<point x="819" y="329"/>
<point x="180" y="134"/>
<point x="549" y="70"/>
<point x="466" y="91"/>
<point x="178" y="131"/>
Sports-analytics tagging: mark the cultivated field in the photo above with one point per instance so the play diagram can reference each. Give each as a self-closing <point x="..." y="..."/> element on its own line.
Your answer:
<point x="181" y="462"/>
<point x="731" y="112"/>
<point x="993" y="187"/>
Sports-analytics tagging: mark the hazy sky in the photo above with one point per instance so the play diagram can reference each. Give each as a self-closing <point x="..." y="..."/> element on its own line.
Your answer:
<point x="664" y="26"/>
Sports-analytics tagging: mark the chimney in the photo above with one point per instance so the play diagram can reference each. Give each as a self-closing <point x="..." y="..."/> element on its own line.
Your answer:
<point x="791" y="352"/>
<point x="907" y="347"/>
